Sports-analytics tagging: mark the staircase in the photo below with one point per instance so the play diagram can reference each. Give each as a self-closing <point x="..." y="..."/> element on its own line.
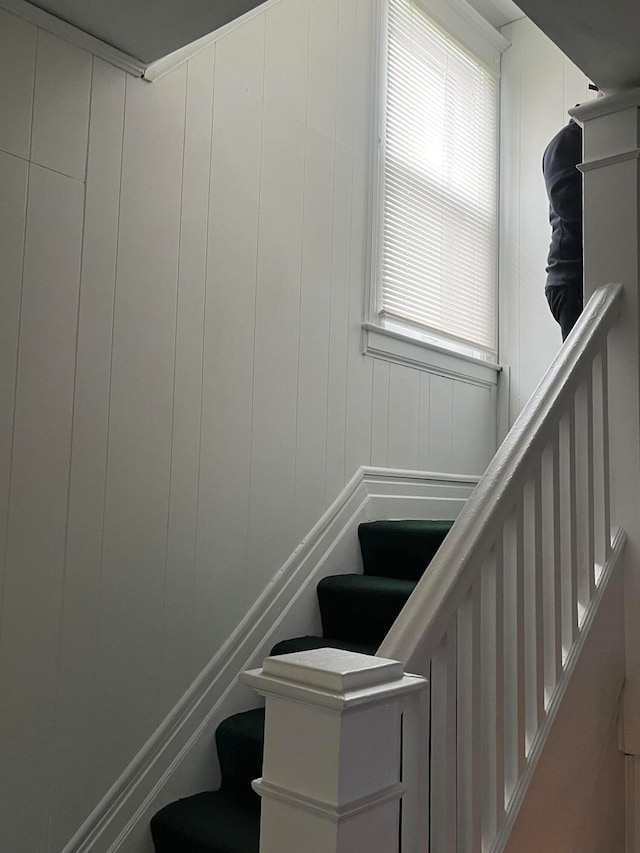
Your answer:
<point x="357" y="611"/>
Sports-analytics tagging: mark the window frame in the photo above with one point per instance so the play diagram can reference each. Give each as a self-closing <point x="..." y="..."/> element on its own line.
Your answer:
<point x="424" y="351"/>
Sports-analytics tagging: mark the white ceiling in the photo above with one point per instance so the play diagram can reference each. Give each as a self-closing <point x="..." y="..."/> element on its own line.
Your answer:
<point x="150" y="29"/>
<point x="147" y="29"/>
<point x="601" y="36"/>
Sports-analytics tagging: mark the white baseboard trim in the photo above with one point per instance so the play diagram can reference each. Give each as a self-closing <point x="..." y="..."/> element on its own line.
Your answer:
<point x="178" y="759"/>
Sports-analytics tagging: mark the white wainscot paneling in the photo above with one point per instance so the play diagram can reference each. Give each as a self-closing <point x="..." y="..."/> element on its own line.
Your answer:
<point x="469" y="419"/>
<point x="187" y="396"/>
<point x="404" y="417"/>
<point x="32" y="603"/>
<point x="313" y="358"/>
<point x="341" y="249"/>
<point x="140" y="426"/>
<point x="271" y="517"/>
<point x="223" y="499"/>
<point x="61" y="106"/>
<point x="17" y="63"/>
<point x="440" y="431"/>
<point x="380" y="414"/>
<point x="338" y="324"/>
<point x="74" y="732"/>
<point x="423" y="439"/>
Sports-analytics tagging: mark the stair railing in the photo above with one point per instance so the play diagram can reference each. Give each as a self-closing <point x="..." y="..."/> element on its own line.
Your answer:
<point x="497" y="620"/>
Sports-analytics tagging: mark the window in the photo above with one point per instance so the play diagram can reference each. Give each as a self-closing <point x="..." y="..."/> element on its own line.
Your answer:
<point x="435" y="259"/>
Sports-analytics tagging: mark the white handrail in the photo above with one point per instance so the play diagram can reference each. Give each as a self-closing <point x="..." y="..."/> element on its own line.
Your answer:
<point x="498" y="620"/>
<point x="422" y="624"/>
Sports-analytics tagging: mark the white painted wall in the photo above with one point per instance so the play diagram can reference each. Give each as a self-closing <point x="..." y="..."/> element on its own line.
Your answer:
<point x="181" y="383"/>
<point x="539" y="85"/>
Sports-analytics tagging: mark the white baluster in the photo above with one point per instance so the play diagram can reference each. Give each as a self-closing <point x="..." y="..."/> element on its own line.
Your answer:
<point x="443" y="745"/>
<point x="414" y="833"/>
<point x="583" y="403"/>
<point x="590" y="473"/>
<point x="606" y="471"/>
<point x="469" y="783"/>
<point x="538" y="591"/>
<point x="567" y="506"/>
<point x="553" y="588"/>
<point x="493" y="732"/>
<point x="514" y="640"/>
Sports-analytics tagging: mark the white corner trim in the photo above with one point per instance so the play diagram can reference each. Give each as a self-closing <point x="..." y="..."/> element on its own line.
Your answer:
<point x="389" y="345"/>
<point x="74" y="35"/>
<point x="287" y="607"/>
<point x="162" y="66"/>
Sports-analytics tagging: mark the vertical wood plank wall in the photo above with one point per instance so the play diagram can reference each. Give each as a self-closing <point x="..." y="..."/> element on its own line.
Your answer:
<point x="182" y="390"/>
<point x="539" y="84"/>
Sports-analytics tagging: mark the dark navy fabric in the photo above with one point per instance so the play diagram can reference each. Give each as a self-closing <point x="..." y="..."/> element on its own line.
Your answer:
<point x="564" y="189"/>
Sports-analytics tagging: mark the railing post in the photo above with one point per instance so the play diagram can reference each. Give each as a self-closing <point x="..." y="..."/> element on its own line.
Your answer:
<point x="612" y="254"/>
<point x="333" y="774"/>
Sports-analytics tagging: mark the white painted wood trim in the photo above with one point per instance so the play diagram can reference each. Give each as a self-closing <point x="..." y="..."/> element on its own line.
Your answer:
<point x="606" y="106"/>
<point x="334" y="813"/>
<point x="283" y="609"/>
<point x="74" y="35"/>
<point x="393" y="346"/>
<point x="622" y="157"/>
<point x="323" y="777"/>
<point x="163" y="66"/>
<point x="451" y="13"/>
<point x="604" y="586"/>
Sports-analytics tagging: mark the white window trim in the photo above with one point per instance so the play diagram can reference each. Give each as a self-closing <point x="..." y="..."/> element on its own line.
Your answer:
<point x="379" y="341"/>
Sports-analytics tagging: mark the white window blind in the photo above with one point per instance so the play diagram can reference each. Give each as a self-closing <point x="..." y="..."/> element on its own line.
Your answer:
<point x="439" y="183"/>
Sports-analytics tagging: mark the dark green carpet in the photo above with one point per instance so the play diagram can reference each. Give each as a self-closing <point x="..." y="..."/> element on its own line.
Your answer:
<point x="400" y="549"/>
<point x="356" y="613"/>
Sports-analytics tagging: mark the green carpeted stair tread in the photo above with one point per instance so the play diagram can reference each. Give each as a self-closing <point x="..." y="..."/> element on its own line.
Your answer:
<point x="240" y="744"/>
<point x="356" y="611"/>
<point x="400" y="549"/>
<point x="210" y="822"/>
<point x="304" y="644"/>
<point x="361" y="608"/>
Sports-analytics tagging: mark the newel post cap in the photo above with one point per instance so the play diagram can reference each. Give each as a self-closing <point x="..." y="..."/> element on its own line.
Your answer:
<point x="333" y="678"/>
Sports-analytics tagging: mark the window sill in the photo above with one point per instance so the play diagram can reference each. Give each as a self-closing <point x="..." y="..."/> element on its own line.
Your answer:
<point x="393" y="346"/>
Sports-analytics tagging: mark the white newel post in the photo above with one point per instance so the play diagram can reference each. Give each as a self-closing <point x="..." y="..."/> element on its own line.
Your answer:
<point x="346" y="739"/>
<point x="612" y="254"/>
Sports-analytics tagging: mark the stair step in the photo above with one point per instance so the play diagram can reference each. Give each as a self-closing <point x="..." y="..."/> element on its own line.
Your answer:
<point x="304" y="644"/>
<point x="361" y="608"/>
<point x="400" y="549"/>
<point x="240" y="744"/>
<point x="356" y="611"/>
<point x="210" y="822"/>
